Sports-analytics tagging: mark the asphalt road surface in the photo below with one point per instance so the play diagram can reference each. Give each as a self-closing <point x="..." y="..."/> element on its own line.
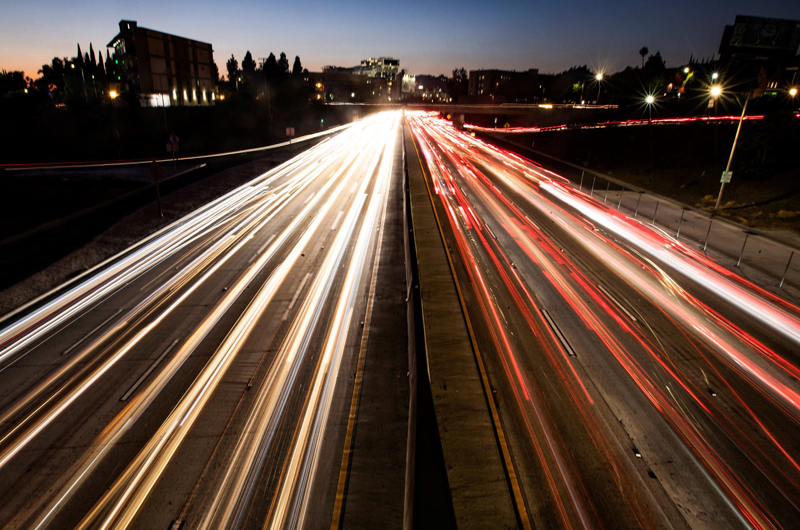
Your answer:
<point x="205" y="377"/>
<point x="639" y="383"/>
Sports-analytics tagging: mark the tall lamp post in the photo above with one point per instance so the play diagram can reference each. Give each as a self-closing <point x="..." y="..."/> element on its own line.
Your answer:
<point x="716" y="91"/>
<point x="83" y="79"/>
<point x="650" y="101"/>
<point x="599" y="79"/>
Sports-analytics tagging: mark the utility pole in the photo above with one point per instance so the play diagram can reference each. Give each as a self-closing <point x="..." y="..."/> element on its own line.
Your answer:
<point x="727" y="174"/>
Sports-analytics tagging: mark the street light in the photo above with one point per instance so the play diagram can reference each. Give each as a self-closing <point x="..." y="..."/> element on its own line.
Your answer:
<point x="113" y="94"/>
<point x="793" y="91"/>
<point x="599" y="78"/>
<point x="650" y="99"/>
<point x="686" y="70"/>
<point x="715" y="76"/>
<point x="716" y="91"/>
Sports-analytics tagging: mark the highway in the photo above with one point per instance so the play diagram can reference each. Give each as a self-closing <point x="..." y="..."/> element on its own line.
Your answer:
<point x="639" y="383"/>
<point x="204" y="378"/>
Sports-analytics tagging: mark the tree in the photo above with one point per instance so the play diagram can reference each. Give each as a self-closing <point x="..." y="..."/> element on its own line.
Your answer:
<point x="233" y="68"/>
<point x="79" y="58"/>
<point x="655" y="62"/>
<point x="458" y="85"/>
<point x="283" y="64"/>
<point x="92" y="58"/>
<point x="297" y="68"/>
<point x="248" y="64"/>
<point x="11" y="82"/>
<point x="270" y="66"/>
<point x="216" y="72"/>
<point x="643" y="51"/>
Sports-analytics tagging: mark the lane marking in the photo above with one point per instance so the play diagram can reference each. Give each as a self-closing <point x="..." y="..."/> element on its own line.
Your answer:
<point x="296" y="294"/>
<point x="349" y="439"/>
<point x="106" y="321"/>
<point x="516" y="490"/>
<point x="617" y="303"/>
<point x="490" y="231"/>
<point x="261" y="248"/>
<point x="141" y="379"/>
<point x="557" y="331"/>
<point x="336" y="221"/>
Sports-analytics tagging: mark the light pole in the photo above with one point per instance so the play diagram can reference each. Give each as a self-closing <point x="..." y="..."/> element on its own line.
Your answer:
<point x="716" y="91"/>
<point x="599" y="79"/>
<point x="113" y="94"/>
<point x="83" y="78"/>
<point x="650" y="101"/>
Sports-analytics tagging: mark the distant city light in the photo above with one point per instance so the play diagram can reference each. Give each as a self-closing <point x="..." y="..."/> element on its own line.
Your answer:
<point x="686" y="70"/>
<point x="716" y="91"/>
<point x="715" y="76"/>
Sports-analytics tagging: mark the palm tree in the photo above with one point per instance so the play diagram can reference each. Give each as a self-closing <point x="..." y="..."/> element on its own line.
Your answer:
<point x="644" y="51"/>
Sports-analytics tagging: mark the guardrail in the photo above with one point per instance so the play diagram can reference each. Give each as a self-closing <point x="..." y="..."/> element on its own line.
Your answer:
<point x="142" y="161"/>
<point x="734" y="245"/>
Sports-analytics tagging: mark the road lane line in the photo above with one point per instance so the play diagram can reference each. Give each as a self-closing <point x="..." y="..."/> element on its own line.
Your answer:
<point x="349" y="439"/>
<point x="83" y="339"/>
<point x="296" y="294"/>
<point x="261" y="248"/>
<point x="617" y="302"/>
<point x="336" y="221"/>
<point x="149" y="371"/>
<point x="557" y="331"/>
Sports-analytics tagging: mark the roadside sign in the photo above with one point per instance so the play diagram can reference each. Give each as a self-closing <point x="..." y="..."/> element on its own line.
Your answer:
<point x="173" y="138"/>
<point x="172" y="148"/>
<point x="726" y="177"/>
<point x="289" y="131"/>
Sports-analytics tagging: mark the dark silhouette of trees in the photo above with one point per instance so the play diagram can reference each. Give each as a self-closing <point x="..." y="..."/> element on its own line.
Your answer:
<point x="655" y="63"/>
<point x="232" y="66"/>
<point x="11" y="82"/>
<point x="643" y="52"/>
<point x="270" y="66"/>
<point x="248" y="64"/>
<point x="283" y="64"/>
<point x="51" y="79"/>
<point x="458" y="85"/>
<point x="297" y="68"/>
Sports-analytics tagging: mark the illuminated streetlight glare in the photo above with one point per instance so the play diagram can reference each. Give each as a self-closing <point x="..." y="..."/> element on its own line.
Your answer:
<point x="599" y="76"/>
<point x="793" y="91"/>
<point x="715" y="76"/>
<point x="113" y="94"/>
<point x="650" y="99"/>
<point x="716" y="91"/>
<point x="686" y="70"/>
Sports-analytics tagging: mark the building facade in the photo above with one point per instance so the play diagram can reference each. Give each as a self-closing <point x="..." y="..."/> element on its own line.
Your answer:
<point x="509" y="85"/>
<point x="162" y="69"/>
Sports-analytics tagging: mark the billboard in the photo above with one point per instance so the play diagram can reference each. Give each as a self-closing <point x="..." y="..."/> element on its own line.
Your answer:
<point x="766" y="34"/>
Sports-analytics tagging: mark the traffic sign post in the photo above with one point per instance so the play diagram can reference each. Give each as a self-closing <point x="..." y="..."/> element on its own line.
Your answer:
<point x="727" y="173"/>
<point x="290" y="134"/>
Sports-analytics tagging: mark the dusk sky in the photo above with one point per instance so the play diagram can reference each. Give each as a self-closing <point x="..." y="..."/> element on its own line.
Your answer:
<point x="427" y="37"/>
